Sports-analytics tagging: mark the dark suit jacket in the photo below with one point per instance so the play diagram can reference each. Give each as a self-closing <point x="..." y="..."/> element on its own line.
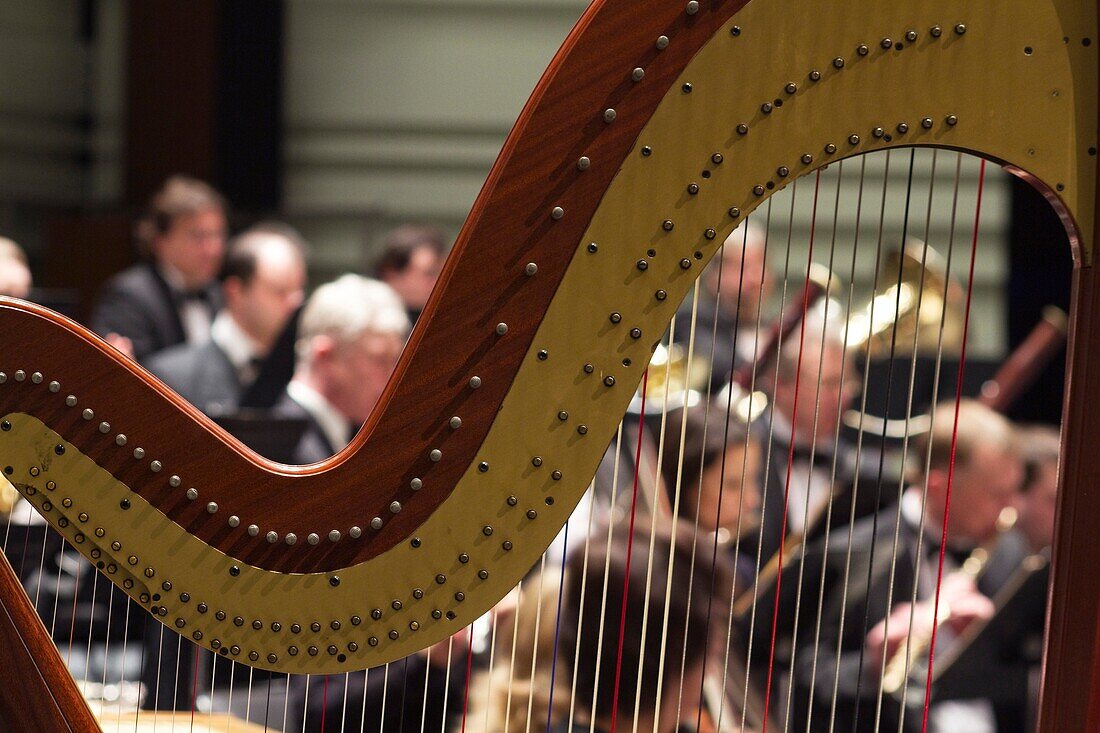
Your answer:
<point x="138" y="304"/>
<point x="201" y="374"/>
<point x="313" y="446"/>
<point x="277" y="370"/>
<point x="858" y="481"/>
<point x="862" y="595"/>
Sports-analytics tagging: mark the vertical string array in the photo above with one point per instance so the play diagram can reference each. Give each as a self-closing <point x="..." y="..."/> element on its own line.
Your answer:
<point x="954" y="444"/>
<point x="629" y="548"/>
<point x="787" y="486"/>
<point x="714" y="605"/>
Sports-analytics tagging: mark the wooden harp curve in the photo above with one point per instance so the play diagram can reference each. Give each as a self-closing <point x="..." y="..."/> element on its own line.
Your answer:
<point x="655" y="131"/>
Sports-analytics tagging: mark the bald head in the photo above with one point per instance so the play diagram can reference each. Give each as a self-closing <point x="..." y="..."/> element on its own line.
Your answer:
<point x="973" y="464"/>
<point x="264" y="279"/>
<point x="814" y="379"/>
<point x="739" y="277"/>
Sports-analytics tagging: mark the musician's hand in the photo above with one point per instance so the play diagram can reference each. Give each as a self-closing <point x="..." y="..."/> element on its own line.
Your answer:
<point x="966" y="603"/>
<point x="892" y="631"/>
<point x="960" y="604"/>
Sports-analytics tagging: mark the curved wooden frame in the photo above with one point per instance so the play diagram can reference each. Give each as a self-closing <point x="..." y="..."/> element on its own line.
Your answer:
<point x="511" y="225"/>
<point x="520" y="241"/>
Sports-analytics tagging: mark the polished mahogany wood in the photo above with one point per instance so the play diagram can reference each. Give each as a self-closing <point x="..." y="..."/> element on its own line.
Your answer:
<point x="1071" y="680"/>
<point x="36" y="690"/>
<point x="1070" y="697"/>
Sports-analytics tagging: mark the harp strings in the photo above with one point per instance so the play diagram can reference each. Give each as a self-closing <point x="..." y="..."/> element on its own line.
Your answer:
<point x="909" y="403"/>
<point x="675" y="510"/>
<point x="721" y="667"/>
<point x="584" y="583"/>
<point x="881" y="468"/>
<point x="557" y="636"/>
<point x="935" y="384"/>
<point x="954" y="444"/>
<point x="806" y="510"/>
<point x="744" y="471"/>
<point x="905" y="439"/>
<point x="757" y="563"/>
<point x="836" y="427"/>
<point x="865" y="625"/>
<point x="790" y="457"/>
<point x="629" y="549"/>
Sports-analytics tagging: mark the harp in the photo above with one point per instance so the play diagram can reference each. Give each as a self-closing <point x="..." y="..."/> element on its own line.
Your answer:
<point x="658" y="128"/>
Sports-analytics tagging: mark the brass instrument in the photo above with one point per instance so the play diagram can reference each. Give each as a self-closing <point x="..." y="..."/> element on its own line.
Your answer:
<point x="914" y="295"/>
<point x="900" y="665"/>
<point x="1019" y="371"/>
<point x="680" y="379"/>
<point x="672" y="379"/>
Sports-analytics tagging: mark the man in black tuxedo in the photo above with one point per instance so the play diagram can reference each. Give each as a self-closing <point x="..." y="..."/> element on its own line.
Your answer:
<point x="350" y="336"/>
<point x="264" y="281"/>
<point x="172" y="297"/>
<point x="880" y="580"/>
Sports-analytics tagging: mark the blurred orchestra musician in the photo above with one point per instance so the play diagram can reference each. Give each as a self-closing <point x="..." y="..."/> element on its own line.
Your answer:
<point x="810" y="462"/>
<point x="411" y="260"/>
<point x="712" y="477"/>
<point x="664" y="602"/>
<point x="880" y="580"/>
<point x="263" y="280"/>
<point x="732" y="291"/>
<point x="1019" y="570"/>
<point x="15" y="273"/>
<point x="1040" y="446"/>
<point x="172" y="297"/>
<point x="350" y="336"/>
<point x="410" y="263"/>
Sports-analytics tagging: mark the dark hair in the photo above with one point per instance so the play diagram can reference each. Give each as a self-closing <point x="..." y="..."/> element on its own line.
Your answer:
<point x="690" y="617"/>
<point x="242" y="251"/>
<point x="179" y="196"/>
<point x="706" y="438"/>
<point x="400" y="244"/>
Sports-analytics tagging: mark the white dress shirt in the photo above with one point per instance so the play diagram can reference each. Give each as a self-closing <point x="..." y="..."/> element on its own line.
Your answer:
<point x="195" y="315"/>
<point x="242" y="351"/>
